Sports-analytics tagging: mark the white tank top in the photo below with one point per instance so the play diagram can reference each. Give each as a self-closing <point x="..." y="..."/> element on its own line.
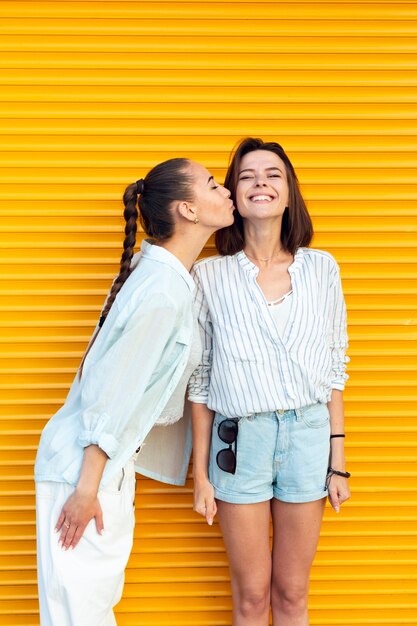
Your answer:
<point x="280" y="311"/>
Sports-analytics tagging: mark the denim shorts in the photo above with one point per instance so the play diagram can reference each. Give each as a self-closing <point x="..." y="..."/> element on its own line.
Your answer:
<point x="282" y="454"/>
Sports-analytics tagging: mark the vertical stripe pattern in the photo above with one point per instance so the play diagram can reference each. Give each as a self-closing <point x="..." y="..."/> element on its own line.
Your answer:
<point x="249" y="366"/>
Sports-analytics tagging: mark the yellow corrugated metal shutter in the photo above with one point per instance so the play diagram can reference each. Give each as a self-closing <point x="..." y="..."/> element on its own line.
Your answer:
<point x="95" y="93"/>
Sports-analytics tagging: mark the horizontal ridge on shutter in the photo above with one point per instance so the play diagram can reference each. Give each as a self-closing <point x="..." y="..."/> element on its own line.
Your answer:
<point x="92" y="95"/>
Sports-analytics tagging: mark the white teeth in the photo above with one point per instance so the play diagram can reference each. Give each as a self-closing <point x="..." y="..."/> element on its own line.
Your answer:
<point x="261" y="198"/>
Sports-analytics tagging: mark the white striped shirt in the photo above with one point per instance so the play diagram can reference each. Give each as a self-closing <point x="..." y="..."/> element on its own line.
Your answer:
<point x="248" y="365"/>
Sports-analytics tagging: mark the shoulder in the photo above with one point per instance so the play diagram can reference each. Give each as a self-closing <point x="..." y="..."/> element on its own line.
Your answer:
<point x="161" y="288"/>
<point x="168" y="289"/>
<point x="207" y="262"/>
<point x="320" y="259"/>
<point x="213" y="264"/>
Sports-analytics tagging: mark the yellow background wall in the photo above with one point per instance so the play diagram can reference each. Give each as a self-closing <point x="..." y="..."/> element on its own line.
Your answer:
<point x="93" y="94"/>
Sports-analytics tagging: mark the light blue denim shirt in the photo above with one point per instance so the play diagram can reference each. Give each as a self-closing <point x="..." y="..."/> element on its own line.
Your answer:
<point x="129" y="374"/>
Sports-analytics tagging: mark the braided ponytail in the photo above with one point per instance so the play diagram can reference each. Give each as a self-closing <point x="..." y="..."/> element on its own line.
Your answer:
<point x="131" y="216"/>
<point x="165" y="183"/>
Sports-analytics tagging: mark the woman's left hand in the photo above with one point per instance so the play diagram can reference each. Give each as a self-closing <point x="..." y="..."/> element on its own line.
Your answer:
<point x="76" y="513"/>
<point x="339" y="491"/>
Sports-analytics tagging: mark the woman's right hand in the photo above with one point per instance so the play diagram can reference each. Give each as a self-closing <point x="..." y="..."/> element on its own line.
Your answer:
<point x="77" y="512"/>
<point x="204" y="502"/>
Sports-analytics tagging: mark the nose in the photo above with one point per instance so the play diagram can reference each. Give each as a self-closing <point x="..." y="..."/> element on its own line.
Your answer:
<point x="227" y="192"/>
<point x="259" y="182"/>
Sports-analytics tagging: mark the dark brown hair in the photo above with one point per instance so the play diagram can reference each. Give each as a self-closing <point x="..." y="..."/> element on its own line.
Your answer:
<point x="296" y="229"/>
<point x="166" y="183"/>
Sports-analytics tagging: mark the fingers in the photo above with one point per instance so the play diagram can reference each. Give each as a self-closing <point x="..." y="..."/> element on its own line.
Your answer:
<point x="210" y="511"/>
<point x="67" y="534"/>
<point x="200" y="508"/>
<point x="60" y="521"/>
<point x="206" y="506"/>
<point x="64" y="526"/>
<point x="334" y="499"/>
<point x="71" y="532"/>
<point x="343" y="496"/>
<point x="99" y="522"/>
<point x="77" y="536"/>
<point x="338" y="494"/>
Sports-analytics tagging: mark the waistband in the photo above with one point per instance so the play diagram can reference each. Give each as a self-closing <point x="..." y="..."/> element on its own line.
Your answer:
<point x="274" y="413"/>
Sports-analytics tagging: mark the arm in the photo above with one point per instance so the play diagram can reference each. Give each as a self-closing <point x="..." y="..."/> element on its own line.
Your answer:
<point x="120" y="389"/>
<point x="204" y="502"/>
<point x="113" y="400"/>
<point x="83" y="505"/>
<point x="202" y="416"/>
<point x="339" y="490"/>
<point x="338" y="342"/>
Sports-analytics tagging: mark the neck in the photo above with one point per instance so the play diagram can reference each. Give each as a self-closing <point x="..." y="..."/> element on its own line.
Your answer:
<point x="263" y="238"/>
<point x="186" y="246"/>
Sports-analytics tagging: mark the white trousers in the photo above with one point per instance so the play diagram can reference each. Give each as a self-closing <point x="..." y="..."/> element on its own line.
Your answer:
<point x="80" y="587"/>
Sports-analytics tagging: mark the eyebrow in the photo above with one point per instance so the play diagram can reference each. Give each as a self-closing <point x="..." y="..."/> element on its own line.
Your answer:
<point x="268" y="169"/>
<point x="211" y="178"/>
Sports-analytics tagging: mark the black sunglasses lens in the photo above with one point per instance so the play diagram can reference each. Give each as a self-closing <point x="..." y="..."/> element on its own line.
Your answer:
<point x="228" y="431"/>
<point x="226" y="460"/>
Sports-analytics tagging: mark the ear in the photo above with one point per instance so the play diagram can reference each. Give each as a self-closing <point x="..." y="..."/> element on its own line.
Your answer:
<point x="186" y="210"/>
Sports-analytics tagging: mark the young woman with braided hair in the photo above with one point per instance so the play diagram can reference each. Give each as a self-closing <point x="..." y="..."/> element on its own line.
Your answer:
<point x="131" y="380"/>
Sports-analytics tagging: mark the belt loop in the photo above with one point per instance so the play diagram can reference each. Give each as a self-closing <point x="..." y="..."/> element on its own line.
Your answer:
<point x="298" y="413"/>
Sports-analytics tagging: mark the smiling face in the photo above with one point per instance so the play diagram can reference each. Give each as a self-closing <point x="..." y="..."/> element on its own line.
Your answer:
<point x="262" y="187"/>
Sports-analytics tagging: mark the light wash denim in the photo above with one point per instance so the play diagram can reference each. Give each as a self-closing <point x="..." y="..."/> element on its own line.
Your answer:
<point x="280" y="454"/>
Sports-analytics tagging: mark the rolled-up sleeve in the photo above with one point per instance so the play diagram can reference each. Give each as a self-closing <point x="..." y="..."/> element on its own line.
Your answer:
<point x="338" y="338"/>
<point x="113" y="387"/>
<point x="198" y="386"/>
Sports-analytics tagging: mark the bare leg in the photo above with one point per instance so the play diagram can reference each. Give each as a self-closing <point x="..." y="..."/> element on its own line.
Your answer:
<point x="245" y="530"/>
<point x="296" y="534"/>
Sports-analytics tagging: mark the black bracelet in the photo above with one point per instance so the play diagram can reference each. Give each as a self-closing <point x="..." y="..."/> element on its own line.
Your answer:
<point x="333" y="436"/>
<point x="331" y="472"/>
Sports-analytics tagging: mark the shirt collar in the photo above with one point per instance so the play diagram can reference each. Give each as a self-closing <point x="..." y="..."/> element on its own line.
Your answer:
<point x="156" y="253"/>
<point x="253" y="269"/>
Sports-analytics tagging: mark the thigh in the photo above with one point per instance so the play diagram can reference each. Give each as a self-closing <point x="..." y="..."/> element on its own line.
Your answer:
<point x="81" y="586"/>
<point x="245" y="529"/>
<point x="253" y="480"/>
<point x="304" y="446"/>
<point x="296" y="534"/>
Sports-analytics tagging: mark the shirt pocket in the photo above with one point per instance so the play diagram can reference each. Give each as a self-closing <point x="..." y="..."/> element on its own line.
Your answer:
<point x="182" y="341"/>
<point x="171" y="356"/>
<point x="183" y="336"/>
<point x="115" y="485"/>
<point x="236" y="339"/>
